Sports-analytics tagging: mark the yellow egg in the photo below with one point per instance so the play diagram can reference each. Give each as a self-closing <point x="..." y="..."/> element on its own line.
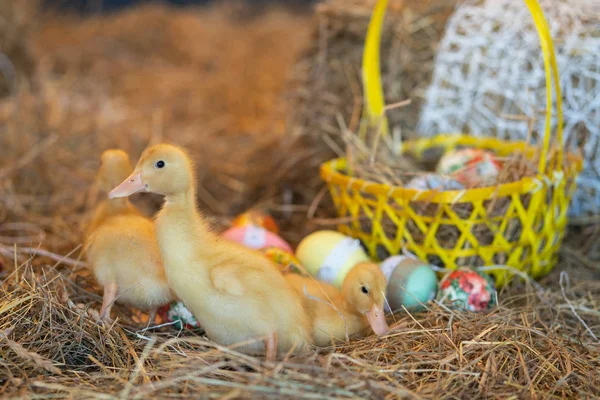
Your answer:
<point x="329" y="255"/>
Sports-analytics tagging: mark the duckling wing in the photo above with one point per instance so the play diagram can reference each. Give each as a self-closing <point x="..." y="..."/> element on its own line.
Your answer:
<point x="226" y="278"/>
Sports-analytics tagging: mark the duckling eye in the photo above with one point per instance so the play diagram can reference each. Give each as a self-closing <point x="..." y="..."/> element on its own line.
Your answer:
<point x="364" y="289"/>
<point x="160" y="164"/>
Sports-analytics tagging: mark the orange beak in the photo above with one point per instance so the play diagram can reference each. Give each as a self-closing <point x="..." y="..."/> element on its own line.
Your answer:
<point x="129" y="186"/>
<point x="376" y="318"/>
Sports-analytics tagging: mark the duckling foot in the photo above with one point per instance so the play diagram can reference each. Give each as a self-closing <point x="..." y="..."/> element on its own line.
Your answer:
<point x="271" y="346"/>
<point x="152" y="317"/>
<point x="110" y="294"/>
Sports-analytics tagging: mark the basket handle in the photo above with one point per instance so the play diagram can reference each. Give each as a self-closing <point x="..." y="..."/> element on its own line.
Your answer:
<point x="371" y="73"/>
<point x="373" y="90"/>
<point x="551" y="69"/>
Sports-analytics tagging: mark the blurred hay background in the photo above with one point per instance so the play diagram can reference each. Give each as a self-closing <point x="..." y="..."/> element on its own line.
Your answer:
<point x="251" y="98"/>
<point x="331" y="84"/>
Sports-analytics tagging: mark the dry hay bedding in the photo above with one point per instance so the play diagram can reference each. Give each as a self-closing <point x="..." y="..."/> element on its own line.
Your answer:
<point x="531" y="345"/>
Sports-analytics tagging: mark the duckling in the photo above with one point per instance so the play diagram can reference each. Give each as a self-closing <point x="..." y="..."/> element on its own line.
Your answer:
<point x="337" y="313"/>
<point x="114" y="166"/>
<point x="121" y="247"/>
<point x="235" y="293"/>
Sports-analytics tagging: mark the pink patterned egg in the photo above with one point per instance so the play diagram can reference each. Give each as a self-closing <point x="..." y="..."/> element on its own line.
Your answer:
<point x="468" y="289"/>
<point x="256" y="237"/>
<point x="471" y="167"/>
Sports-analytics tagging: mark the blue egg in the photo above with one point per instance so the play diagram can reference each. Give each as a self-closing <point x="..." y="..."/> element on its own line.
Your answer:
<point x="434" y="182"/>
<point x="411" y="283"/>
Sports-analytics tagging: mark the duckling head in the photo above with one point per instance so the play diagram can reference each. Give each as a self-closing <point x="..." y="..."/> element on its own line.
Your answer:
<point x="115" y="166"/>
<point x="364" y="290"/>
<point x="163" y="168"/>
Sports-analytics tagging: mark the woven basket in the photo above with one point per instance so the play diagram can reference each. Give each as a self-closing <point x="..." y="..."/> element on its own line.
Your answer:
<point x="519" y="224"/>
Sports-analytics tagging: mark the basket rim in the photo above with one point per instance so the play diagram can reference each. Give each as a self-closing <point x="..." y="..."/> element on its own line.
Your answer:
<point x="331" y="172"/>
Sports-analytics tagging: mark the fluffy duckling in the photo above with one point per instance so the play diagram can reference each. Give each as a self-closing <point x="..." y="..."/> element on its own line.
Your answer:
<point x="121" y="246"/>
<point x="335" y="312"/>
<point x="235" y="293"/>
<point x="114" y="167"/>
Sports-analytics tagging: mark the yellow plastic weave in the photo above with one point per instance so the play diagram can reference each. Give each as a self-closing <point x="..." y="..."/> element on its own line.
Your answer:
<point x="519" y="224"/>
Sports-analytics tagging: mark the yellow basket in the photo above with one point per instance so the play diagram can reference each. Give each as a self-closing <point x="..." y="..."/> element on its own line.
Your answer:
<point x="519" y="224"/>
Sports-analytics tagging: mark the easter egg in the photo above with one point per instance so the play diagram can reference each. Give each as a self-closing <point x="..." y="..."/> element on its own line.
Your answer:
<point x="470" y="166"/>
<point x="468" y="289"/>
<point x="286" y="261"/>
<point x="410" y="283"/>
<point x="329" y="255"/>
<point x="256" y="237"/>
<point x="178" y="313"/>
<point x="434" y="182"/>
<point x="256" y="218"/>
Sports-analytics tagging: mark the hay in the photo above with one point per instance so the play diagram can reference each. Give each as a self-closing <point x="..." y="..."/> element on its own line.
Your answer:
<point x="329" y="73"/>
<point x="82" y="99"/>
<point x="18" y="22"/>
<point x="532" y="345"/>
<point x="106" y="82"/>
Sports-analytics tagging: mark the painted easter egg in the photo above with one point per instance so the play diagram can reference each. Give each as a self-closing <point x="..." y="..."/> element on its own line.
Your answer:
<point x="256" y="218"/>
<point x="468" y="289"/>
<point x="470" y="166"/>
<point x="434" y="182"/>
<point x="256" y="237"/>
<point x="286" y="261"/>
<point x="329" y="255"/>
<point x="178" y="313"/>
<point x="410" y="283"/>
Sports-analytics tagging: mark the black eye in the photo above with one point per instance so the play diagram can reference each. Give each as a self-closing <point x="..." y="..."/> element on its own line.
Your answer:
<point x="364" y="289"/>
<point x="160" y="164"/>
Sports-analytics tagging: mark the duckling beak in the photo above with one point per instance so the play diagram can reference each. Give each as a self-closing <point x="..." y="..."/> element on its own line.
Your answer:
<point x="376" y="318"/>
<point x="129" y="186"/>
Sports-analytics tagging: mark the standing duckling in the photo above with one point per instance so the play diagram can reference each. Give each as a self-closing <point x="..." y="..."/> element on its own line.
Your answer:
<point x="121" y="247"/>
<point x="114" y="164"/>
<point x="235" y="293"/>
<point x="335" y="312"/>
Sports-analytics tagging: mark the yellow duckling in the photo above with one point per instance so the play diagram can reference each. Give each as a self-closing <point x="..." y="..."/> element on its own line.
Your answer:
<point x="121" y="247"/>
<point x="235" y="293"/>
<point x="114" y="165"/>
<point x="338" y="313"/>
